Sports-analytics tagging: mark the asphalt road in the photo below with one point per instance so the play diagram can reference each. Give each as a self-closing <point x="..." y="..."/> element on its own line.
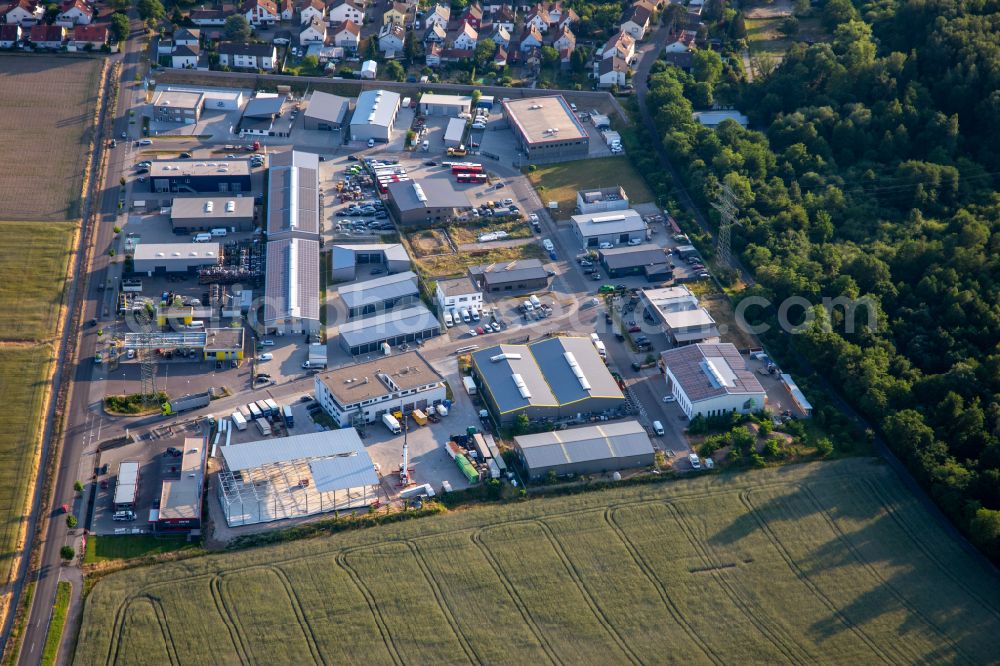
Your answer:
<point x="81" y="426"/>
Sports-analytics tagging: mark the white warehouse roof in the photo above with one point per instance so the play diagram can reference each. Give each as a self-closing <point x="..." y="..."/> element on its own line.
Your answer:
<point x="388" y="325"/>
<point x="610" y="222"/>
<point x="376" y="107"/>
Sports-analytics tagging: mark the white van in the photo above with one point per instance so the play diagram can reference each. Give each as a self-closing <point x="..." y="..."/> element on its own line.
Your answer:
<point x="198" y="325"/>
<point x="695" y="461"/>
<point x="658" y="428"/>
<point x="448" y="321"/>
<point x="425" y="146"/>
<point x="219" y="232"/>
<point x="528" y="307"/>
<point x="547" y="244"/>
<point x="202" y="238"/>
<point x="534" y="301"/>
<point x="465" y="316"/>
<point x="475" y="314"/>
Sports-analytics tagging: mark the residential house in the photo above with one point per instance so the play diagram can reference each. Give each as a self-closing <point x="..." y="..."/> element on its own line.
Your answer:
<point x="432" y="54"/>
<point x="310" y="8"/>
<point x="465" y="38"/>
<point x="187" y="37"/>
<point x="457" y="55"/>
<point x="501" y="37"/>
<point x="391" y="39"/>
<point x="565" y="40"/>
<point x="532" y="57"/>
<point x="282" y="37"/>
<point x="612" y="72"/>
<point x="435" y="35"/>
<point x="10" y="34"/>
<point x="438" y="16"/>
<point x="260" y="12"/>
<point x="90" y="36"/>
<point x="346" y="10"/>
<point x="473" y="15"/>
<point x="636" y="21"/>
<point x="47" y="36"/>
<point x="247" y="56"/>
<point x="398" y="13"/>
<point x="314" y="32"/>
<point x="347" y="35"/>
<point x="531" y="38"/>
<point x="24" y="13"/>
<point x="500" y="58"/>
<point x="683" y="43"/>
<point x="503" y="17"/>
<point x="684" y="61"/>
<point x="74" y="12"/>
<point x="286" y="10"/>
<point x="208" y="17"/>
<point x="537" y="19"/>
<point x="620" y="46"/>
<point x="185" y="57"/>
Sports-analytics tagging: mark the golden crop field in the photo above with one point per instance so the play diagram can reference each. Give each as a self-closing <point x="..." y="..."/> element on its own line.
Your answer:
<point x="46" y="119"/>
<point x="824" y="563"/>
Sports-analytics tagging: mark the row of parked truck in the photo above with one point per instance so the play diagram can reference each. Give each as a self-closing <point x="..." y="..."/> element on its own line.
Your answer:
<point x="262" y="413"/>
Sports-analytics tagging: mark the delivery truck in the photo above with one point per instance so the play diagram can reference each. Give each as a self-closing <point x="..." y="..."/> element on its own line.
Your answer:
<point x="470" y="385"/>
<point x="186" y="402"/>
<point x="391" y="423"/>
<point x="289" y="418"/>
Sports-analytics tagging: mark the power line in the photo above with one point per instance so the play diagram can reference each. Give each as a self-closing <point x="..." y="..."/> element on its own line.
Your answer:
<point x="726" y="205"/>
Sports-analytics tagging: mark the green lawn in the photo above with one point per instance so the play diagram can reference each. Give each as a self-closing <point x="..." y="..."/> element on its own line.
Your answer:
<point x="764" y="37"/>
<point x="105" y="548"/>
<point x="33" y="261"/>
<point x="829" y="562"/>
<point x="560" y="182"/>
<point x="57" y="623"/>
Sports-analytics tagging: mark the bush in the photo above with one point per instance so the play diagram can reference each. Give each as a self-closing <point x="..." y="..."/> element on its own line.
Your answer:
<point x="67" y="552"/>
<point x="132" y="404"/>
<point x="824" y="446"/>
<point x="71" y="521"/>
<point x="77" y="486"/>
<point x="532" y="168"/>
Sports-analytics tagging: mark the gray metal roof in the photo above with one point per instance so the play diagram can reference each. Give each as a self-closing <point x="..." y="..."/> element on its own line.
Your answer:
<point x="181" y="498"/>
<point x="327" y="107"/>
<point x="378" y="290"/>
<point x="250" y="455"/>
<point x="637" y="255"/>
<point x="499" y="377"/>
<point x="193" y="252"/>
<point x="292" y="282"/>
<point x="389" y="325"/>
<point x="550" y="354"/>
<point x="344" y="256"/>
<point x="376" y="107"/>
<point x="609" y="222"/>
<point x="602" y="442"/>
<point x="343" y="472"/>
<point x="196" y="208"/>
<point x="436" y="192"/>
<point x="515" y="271"/>
<point x="210" y="167"/>
<point x="692" y="368"/>
<point x="263" y="107"/>
<point x="293" y="195"/>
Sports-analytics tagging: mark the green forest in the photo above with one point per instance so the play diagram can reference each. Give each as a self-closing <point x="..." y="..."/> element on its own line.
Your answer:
<point x="872" y="173"/>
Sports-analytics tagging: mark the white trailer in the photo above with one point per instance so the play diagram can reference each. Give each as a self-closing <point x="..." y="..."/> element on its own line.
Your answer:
<point x="470" y="385"/>
<point x="391" y="423"/>
<point x="241" y="423"/>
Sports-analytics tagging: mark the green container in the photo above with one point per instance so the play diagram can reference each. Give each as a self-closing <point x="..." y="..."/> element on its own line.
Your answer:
<point x="470" y="431"/>
<point x="467" y="469"/>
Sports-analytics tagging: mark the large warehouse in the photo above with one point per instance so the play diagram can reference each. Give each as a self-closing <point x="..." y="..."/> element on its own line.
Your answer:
<point x="346" y="259"/>
<point x="546" y="129"/>
<point x="354" y="395"/>
<point x="364" y="336"/>
<point x="646" y="259"/>
<point x="677" y="311"/>
<point x="596" y="449"/>
<point x="188" y="214"/>
<point x="152" y="258"/>
<point x="178" y="106"/>
<point x="616" y="228"/>
<point x="444" y="105"/>
<point x="205" y="177"/>
<point x="291" y="290"/>
<point x="181" y="492"/>
<point x="374" y="115"/>
<point x="294" y="477"/>
<point x="326" y="112"/>
<point x="388" y="292"/>
<point x="711" y="380"/>
<point x="293" y="196"/>
<point x="426" y="202"/>
<point x="517" y="277"/>
<point x="553" y="378"/>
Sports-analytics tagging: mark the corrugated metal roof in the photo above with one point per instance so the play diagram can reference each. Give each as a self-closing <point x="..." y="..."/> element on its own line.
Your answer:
<point x="343" y="472"/>
<point x="326" y="107"/>
<point x="345" y="256"/>
<point x="602" y="442"/>
<point x="250" y="455"/>
<point x="375" y="107"/>
<point x="638" y="255"/>
<point x="293" y="195"/>
<point x="292" y="281"/>
<point x="389" y="325"/>
<point x="379" y="289"/>
<point x="688" y="366"/>
<point x="609" y="222"/>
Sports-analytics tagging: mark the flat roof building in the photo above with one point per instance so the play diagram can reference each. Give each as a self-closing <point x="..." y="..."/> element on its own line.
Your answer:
<point x="427" y="201"/>
<point x="291" y="290"/>
<point x="180" y="495"/>
<point x="601" y="200"/>
<point x="293" y="196"/>
<point x="294" y="477"/>
<point x="711" y="380"/>
<point x="432" y="104"/>
<point x="216" y="99"/>
<point x="380" y="294"/>
<point x="646" y="259"/>
<point x="326" y="112"/>
<point x="547" y="129"/>
<point x="178" y="106"/>
<point x="206" y="213"/>
<point x="375" y="115"/>
<point x="354" y="395"/>
<point x="150" y="258"/>
<point x="715" y="118"/>
<point x="200" y="176"/>
<point x="682" y="320"/>
<point x="617" y="228"/>
<point x="365" y="336"/>
<point x="458" y="293"/>
<point x="516" y="277"/>
<point x="260" y="112"/>
<point x="455" y="132"/>
<point x="551" y="379"/>
<point x="596" y="449"/>
<point x="346" y="258"/>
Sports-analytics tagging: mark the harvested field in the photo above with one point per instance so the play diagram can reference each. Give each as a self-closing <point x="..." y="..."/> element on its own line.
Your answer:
<point x="451" y="265"/>
<point x="560" y="182"/>
<point x="428" y="242"/>
<point x="824" y="563"/>
<point x="46" y="112"/>
<point x="33" y="264"/>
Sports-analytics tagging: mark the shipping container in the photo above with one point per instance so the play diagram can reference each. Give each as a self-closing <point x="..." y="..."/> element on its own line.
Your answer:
<point x="241" y="423"/>
<point x="254" y="412"/>
<point x="289" y="418"/>
<point x="467" y="469"/>
<point x="470" y="385"/>
<point x="419" y="417"/>
<point x="264" y="427"/>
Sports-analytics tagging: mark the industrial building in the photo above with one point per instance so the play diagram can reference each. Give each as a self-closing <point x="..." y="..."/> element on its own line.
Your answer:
<point x="293" y="196"/>
<point x="711" y="380"/>
<point x="181" y="493"/>
<point x="374" y="115"/>
<point x="178" y="106"/>
<point x="454" y="133"/>
<point x="326" y="112"/>
<point x="798" y="397"/>
<point x="458" y="293"/>
<point x="150" y="258"/>
<point x="228" y="175"/>
<point x="291" y="289"/>
<point x="126" y="485"/>
<point x="431" y="200"/>
<point x="381" y="294"/>
<point x="215" y="344"/>
<point x="601" y="200"/>
<point x="215" y="99"/>
<point x="682" y="320"/>
<point x="364" y="336"/>
<point x="295" y="477"/>
<point x="355" y="395"/>
<point x="546" y="129"/>
<point x="223" y="344"/>
<point x="516" y="277"/>
<point x="599" y="449"/>
<point x="647" y="260"/>
<point x="346" y="259"/>
<point x="189" y="214"/>
<point x="444" y="105"/>
<point x="616" y="228"/>
<point x="259" y="114"/>
<point x="552" y="379"/>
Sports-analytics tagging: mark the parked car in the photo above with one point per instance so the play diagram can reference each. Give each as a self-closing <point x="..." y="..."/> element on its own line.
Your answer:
<point x="267" y="342"/>
<point x="265" y="357"/>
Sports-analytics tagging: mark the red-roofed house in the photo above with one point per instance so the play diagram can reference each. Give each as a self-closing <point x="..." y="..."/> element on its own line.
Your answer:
<point x="683" y="43"/>
<point x="310" y="8"/>
<point x="47" y="36"/>
<point x="621" y="46"/>
<point x="92" y="36"/>
<point x="260" y="12"/>
<point x="74" y="12"/>
<point x="10" y="34"/>
<point x="347" y="35"/>
<point x="24" y="12"/>
<point x="473" y="15"/>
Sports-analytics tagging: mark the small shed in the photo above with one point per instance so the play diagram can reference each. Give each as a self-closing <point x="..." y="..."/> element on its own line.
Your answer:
<point x="455" y="132"/>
